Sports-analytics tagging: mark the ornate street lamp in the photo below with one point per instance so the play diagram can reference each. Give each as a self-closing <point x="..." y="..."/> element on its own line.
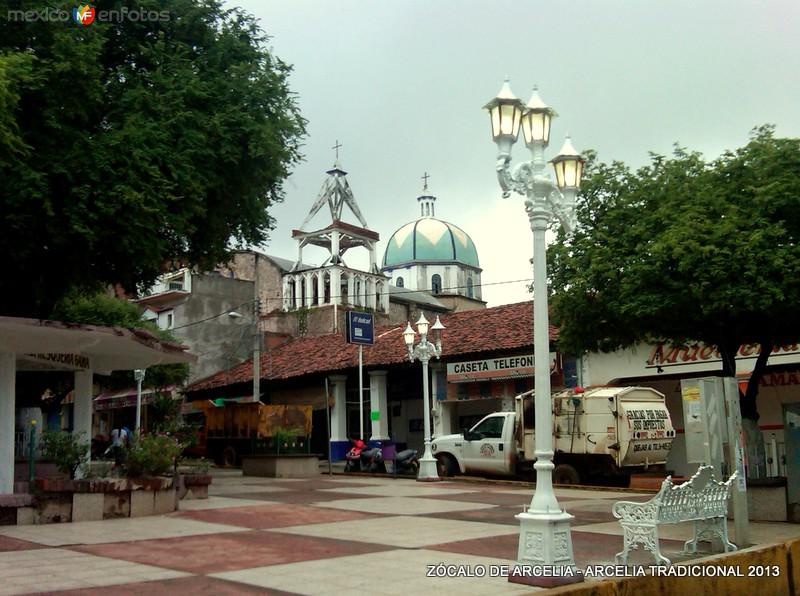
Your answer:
<point x="423" y="352"/>
<point x="545" y="537"/>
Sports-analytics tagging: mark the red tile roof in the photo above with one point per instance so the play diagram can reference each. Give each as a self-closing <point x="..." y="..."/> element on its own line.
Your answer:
<point x="505" y="327"/>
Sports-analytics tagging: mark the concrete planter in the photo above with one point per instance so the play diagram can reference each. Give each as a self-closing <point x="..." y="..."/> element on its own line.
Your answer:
<point x="61" y="500"/>
<point x="193" y="486"/>
<point x="281" y="466"/>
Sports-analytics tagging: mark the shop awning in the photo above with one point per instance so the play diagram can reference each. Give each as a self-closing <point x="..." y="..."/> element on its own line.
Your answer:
<point x="112" y="400"/>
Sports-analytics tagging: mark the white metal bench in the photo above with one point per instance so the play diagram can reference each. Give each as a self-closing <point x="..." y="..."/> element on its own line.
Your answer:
<point x="702" y="499"/>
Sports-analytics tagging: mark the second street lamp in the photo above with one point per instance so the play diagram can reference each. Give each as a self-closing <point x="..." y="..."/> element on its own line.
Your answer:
<point x="545" y="537"/>
<point x="423" y="352"/>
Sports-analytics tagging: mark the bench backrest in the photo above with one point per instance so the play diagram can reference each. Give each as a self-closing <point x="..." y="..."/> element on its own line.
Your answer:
<point x="701" y="497"/>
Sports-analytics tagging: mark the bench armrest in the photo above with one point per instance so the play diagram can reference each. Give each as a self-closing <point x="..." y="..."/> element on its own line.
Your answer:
<point x="637" y="512"/>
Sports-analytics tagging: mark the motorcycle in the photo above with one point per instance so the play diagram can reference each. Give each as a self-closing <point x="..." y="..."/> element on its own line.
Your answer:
<point x="406" y="462"/>
<point x="353" y="457"/>
<point x="372" y="460"/>
<point x="362" y="458"/>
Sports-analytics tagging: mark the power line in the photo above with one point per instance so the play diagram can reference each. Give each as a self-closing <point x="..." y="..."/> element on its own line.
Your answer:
<point x="400" y="291"/>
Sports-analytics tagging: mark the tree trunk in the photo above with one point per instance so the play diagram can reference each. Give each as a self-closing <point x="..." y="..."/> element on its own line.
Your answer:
<point x="754" y="438"/>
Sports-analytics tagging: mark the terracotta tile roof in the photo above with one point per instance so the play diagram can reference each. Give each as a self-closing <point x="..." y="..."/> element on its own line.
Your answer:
<point x="505" y="327"/>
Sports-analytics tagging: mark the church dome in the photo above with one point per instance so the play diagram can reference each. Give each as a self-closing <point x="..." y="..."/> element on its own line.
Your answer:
<point x="430" y="239"/>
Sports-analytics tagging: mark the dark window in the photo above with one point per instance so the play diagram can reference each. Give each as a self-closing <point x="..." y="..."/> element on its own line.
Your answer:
<point x="491" y="428"/>
<point x="436" y="284"/>
<point x="469" y="287"/>
<point x="399" y="282"/>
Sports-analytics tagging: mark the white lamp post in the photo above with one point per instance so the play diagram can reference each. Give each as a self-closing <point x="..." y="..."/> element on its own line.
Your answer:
<point x="545" y="537"/>
<point x="138" y="375"/>
<point x="423" y="352"/>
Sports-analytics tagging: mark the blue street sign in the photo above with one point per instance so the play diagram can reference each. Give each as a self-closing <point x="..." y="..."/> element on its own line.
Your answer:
<point x="360" y="327"/>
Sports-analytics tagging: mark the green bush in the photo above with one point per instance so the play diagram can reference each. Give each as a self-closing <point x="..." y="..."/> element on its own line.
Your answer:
<point x="153" y="455"/>
<point x="283" y="439"/>
<point x="68" y="450"/>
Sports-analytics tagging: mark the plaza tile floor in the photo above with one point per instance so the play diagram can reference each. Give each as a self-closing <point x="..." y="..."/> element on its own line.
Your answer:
<point x="328" y="535"/>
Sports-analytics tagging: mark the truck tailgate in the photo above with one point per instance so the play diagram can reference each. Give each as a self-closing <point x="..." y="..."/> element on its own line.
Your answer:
<point x="644" y="432"/>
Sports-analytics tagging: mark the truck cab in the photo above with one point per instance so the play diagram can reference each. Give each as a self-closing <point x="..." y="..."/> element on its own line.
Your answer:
<point x="488" y="447"/>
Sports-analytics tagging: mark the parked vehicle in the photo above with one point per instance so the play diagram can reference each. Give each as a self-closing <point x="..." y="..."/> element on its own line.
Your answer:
<point x="372" y="460"/>
<point x="407" y="462"/>
<point x="353" y="457"/>
<point x="362" y="458"/>
<point x="606" y="431"/>
<point x="233" y="429"/>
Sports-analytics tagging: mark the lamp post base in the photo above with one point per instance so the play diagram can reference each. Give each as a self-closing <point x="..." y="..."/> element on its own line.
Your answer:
<point x="544" y="556"/>
<point x="427" y="470"/>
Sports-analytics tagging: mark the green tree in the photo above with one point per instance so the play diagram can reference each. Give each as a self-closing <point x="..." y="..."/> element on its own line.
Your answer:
<point x="684" y="250"/>
<point x="128" y="143"/>
<point x="102" y="309"/>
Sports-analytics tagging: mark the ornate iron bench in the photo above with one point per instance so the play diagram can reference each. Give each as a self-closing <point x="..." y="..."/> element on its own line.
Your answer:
<point x="702" y="499"/>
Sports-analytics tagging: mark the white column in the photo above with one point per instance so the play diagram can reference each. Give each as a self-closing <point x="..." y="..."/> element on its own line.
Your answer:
<point x="321" y="287"/>
<point x="336" y="286"/>
<point x="334" y="246"/>
<point x="377" y="400"/>
<point x="371" y="298"/>
<point x="436" y="408"/>
<point x="8" y="374"/>
<point x="298" y="292"/>
<point x="299" y="253"/>
<point x="339" y="410"/>
<point x="83" y="404"/>
<point x="287" y="293"/>
<point x="309" y="284"/>
<point x="385" y="298"/>
<point x="446" y="409"/>
<point x="372" y="260"/>
<point x="350" y="289"/>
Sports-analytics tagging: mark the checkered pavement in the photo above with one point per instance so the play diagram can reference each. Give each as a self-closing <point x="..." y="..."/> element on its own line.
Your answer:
<point x="328" y="535"/>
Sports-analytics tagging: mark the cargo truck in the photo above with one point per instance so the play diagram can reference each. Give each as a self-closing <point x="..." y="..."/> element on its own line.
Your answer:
<point x="609" y="431"/>
<point x="233" y="429"/>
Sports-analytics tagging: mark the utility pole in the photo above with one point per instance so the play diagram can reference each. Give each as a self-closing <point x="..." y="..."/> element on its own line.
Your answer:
<point x="256" y="332"/>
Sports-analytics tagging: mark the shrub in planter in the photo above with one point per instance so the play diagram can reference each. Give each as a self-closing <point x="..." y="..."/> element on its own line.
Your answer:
<point x="284" y="440"/>
<point x="152" y="455"/>
<point x="69" y="451"/>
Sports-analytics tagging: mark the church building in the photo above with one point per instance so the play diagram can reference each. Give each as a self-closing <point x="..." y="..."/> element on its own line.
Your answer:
<point x="435" y="256"/>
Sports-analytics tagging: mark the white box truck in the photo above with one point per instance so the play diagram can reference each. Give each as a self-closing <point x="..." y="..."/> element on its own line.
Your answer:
<point x="608" y="431"/>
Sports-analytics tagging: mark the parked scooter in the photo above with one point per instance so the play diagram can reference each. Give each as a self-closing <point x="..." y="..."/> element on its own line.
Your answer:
<point x="372" y="460"/>
<point x="406" y="462"/>
<point x="353" y="457"/>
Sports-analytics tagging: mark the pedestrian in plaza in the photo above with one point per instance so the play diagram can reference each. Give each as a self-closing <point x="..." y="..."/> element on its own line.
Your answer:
<point x="120" y="438"/>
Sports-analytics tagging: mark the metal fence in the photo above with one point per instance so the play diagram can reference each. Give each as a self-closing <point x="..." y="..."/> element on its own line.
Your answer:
<point x="22" y="444"/>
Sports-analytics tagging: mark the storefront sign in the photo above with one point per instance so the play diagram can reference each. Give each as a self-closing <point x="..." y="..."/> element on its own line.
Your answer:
<point x="494" y="368"/>
<point x="61" y="360"/>
<point x="664" y="354"/>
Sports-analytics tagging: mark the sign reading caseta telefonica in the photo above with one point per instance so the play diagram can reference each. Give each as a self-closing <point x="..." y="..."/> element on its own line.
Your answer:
<point x="492" y="365"/>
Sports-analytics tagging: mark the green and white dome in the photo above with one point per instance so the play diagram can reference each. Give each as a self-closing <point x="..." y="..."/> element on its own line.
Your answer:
<point x="432" y="240"/>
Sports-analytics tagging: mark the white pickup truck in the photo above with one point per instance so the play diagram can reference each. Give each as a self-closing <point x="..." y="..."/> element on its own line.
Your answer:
<point x="609" y="431"/>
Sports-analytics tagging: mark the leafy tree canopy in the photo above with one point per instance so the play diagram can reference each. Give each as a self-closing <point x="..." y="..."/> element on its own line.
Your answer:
<point x="127" y="143"/>
<point x="102" y="309"/>
<point x="685" y="249"/>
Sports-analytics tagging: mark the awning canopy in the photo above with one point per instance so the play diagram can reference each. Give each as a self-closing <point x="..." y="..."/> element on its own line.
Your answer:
<point x="126" y="398"/>
<point x="54" y="345"/>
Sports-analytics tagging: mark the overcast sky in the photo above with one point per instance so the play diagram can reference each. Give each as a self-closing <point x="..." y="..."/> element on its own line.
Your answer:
<point x="401" y="84"/>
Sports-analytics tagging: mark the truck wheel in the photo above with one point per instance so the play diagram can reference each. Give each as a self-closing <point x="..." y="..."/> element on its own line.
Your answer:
<point x="565" y="474"/>
<point x="229" y="456"/>
<point x="446" y="465"/>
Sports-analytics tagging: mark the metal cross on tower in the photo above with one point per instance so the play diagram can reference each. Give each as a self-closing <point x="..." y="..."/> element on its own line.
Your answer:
<point x="336" y="148"/>
<point x="425" y="178"/>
